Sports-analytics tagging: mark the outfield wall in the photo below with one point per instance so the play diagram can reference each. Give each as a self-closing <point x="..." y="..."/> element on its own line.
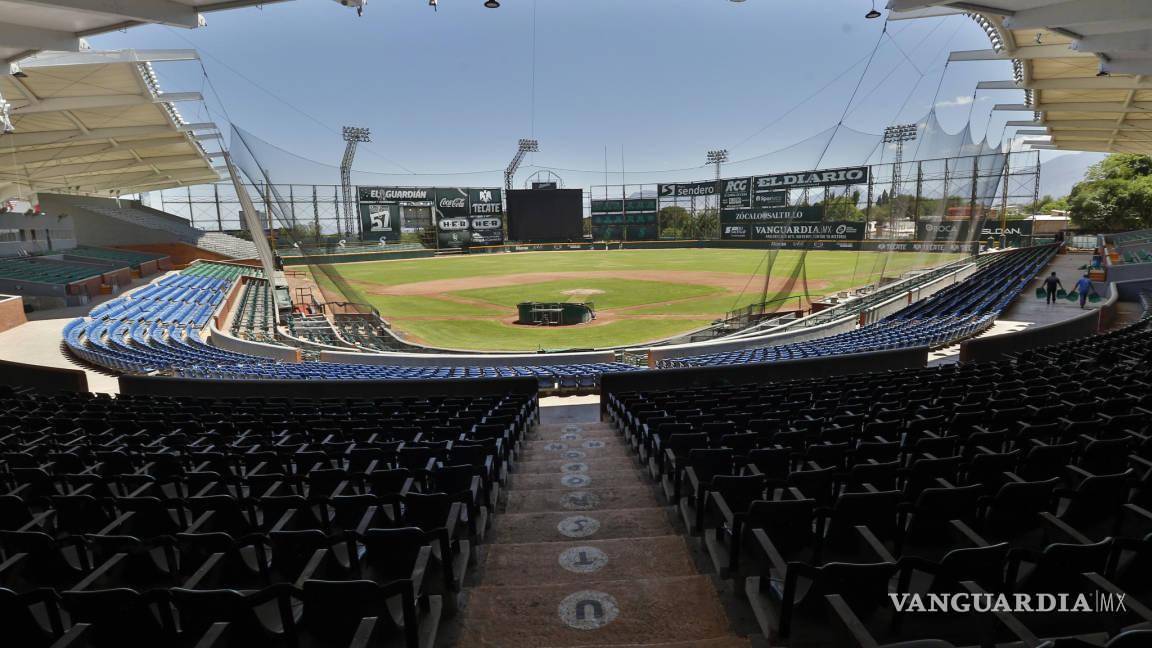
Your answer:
<point x="460" y="360"/>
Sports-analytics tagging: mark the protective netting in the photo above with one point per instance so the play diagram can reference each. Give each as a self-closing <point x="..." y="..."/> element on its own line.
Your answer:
<point x="948" y="194"/>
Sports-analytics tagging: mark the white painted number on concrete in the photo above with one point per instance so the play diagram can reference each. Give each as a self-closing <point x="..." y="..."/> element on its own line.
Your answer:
<point x="555" y="446"/>
<point x="575" y="480"/>
<point x="593" y="443"/>
<point x="573" y="428"/>
<point x="578" y="526"/>
<point x="569" y="436"/>
<point x="583" y="560"/>
<point x="588" y="610"/>
<point x="573" y="454"/>
<point x="579" y="501"/>
<point x="574" y="467"/>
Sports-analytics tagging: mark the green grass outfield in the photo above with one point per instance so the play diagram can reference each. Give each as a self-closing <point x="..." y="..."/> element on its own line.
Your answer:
<point x="468" y="301"/>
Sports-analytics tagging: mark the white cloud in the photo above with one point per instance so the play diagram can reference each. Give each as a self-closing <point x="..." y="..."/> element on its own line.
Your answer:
<point x="963" y="100"/>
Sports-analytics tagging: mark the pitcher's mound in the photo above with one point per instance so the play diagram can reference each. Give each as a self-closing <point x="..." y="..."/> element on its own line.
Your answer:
<point x="582" y="292"/>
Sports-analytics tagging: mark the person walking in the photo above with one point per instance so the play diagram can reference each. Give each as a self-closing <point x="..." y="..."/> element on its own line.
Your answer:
<point x="1084" y="286"/>
<point x="1050" y="286"/>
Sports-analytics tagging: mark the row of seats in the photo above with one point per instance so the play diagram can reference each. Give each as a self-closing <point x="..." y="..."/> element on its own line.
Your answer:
<point x="957" y="312"/>
<point x="48" y="271"/>
<point x="315" y="329"/>
<point x="820" y="498"/>
<point x="254" y="318"/>
<point x="161" y="329"/>
<point x="140" y="521"/>
<point x="366" y="331"/>
<point x="131" y="258"/>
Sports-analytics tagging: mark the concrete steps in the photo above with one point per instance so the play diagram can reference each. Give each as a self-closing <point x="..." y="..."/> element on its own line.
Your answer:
<point x="584" y="554"/>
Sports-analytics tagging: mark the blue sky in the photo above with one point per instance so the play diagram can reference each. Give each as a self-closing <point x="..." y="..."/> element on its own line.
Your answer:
<point x="660" y="80"/>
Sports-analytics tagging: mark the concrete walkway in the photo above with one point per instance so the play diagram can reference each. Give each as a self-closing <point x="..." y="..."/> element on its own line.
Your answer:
<point x="41" y="342"/>
<point x="1029" y="312"/>
<point x="584" y="553"/>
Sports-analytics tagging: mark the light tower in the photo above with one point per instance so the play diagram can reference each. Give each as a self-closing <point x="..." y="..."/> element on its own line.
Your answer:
<point x="523" y="146"/>
<point x="717" y="157"/>
<point x="353" y="135"/>
<point x="898" y="135"/>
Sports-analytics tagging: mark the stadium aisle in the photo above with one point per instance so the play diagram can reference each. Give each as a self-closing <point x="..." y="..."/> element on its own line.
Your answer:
<point x="584" y="554"/>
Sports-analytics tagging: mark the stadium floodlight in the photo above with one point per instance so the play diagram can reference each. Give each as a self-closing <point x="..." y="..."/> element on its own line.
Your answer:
<point x="492" y="4"/>
<point x="717" y="157"/>
<point x="523" y="146"/>
<point x="353" y="135"/>
<point x="873" y="13"/>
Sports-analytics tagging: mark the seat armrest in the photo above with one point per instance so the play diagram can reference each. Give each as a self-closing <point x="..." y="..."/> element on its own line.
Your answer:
<point x="874" y="543"/>
<point x="311" y="567"/>
<point x="725" y="510"/>
<point x="75" y="638"/>
<point x="1011" y="622"/>
<point x="200" y="522"/>
<point x="851" y="622"/>
<point x="364" y="632"/>
<point x="215" y="637"/>
<point x="1130" y="602"/>
<point x="419" y="568"/>
<point x="202" y="572"/>
<point x="283" y="521"/>
<point x="770" y="551"/>
<point x="99" y="572"/>
<point x="1064" y="528"/>
<point x="367" y="520"/>
<point x="969" y="534"/>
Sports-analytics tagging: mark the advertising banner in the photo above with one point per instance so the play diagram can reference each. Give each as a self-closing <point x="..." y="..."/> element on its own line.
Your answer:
<point x="453" y="228"/>
<point x="831" y="232"/>
<point x="688" y="189"/>
<point x="1015" y="232"/>
<point x="769" y="199"/>
<point x="486" y="211"/>
<point x="736" y="193"/>
<point x="801" y="179"/>
<point x="811" y="214"/>
<point x="381" y="220"/>
<point x="461" y="216"/>
<point x="396" y="194"/>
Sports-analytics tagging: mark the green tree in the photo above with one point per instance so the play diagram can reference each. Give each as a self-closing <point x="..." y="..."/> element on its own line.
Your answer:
<point x="1116" y="194"/>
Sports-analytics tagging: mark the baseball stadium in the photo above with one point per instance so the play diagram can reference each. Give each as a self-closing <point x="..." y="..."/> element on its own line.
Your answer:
<point x="334" y="326"/>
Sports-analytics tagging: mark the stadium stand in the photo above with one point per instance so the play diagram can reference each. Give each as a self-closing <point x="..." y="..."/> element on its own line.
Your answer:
<point x="1029" y="475"/>
<point x="153" y="220"/>
<point x="315" y="329"/>
<point x="142" y="262"/>
<point x="958" y="312"/>
<point x="144" y="521"/>
<point x="365" y="331"/>
<point x="254" y="318"/>
<point x="160" y="329"/>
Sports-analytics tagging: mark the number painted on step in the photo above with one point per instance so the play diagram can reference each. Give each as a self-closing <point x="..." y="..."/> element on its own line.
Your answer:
<point x="575" y="480"/>
<point x="583" y="560"/>
<point x="578" y="526"/>
<point x="588" y="610"/>
<point x="574" y="467"/>
<point x="579" y="501"/>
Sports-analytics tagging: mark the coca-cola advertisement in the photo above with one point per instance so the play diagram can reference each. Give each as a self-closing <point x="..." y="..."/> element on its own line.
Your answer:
<point x="451" y="209"/>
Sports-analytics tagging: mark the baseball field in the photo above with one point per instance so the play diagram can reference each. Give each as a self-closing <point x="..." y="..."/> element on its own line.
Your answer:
<point x="469" y="301"/>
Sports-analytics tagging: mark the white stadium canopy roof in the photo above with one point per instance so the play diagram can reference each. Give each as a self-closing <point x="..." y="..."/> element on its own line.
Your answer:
<point x="28" y="26"/>
<point x="1085" y="66"/>
<point x="98" y="122"/>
